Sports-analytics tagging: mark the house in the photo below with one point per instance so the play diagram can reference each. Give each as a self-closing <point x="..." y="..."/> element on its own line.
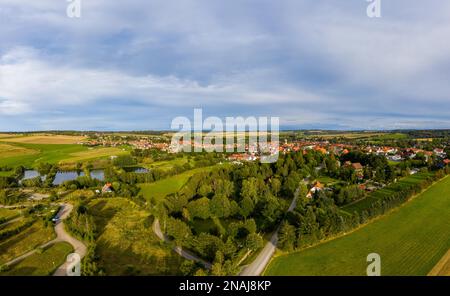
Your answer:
<point x="316" y="188"/>
<point x="357" y="167"/>
<point x="107" y="188"/>
<point x="395" y="158"/>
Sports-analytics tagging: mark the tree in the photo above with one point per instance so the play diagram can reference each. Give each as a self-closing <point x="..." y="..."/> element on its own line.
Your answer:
<point x="199" y="208"/>
<point x="254" y="241"/>
<point x="250" y="190"/>
<point x="220" y="206"/>
<point x="286" y="237"/>
<point x="247" y="207"/>
<point x="179" y="230"/>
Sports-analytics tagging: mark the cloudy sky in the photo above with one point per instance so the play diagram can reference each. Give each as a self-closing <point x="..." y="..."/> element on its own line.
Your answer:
<point x="137" y="64"/>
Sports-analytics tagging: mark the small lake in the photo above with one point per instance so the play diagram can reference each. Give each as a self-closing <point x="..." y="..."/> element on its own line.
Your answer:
<point x="62" y="177"/>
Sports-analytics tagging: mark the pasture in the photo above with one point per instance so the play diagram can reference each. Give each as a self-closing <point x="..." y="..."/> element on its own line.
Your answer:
<point x="410" y="240"/>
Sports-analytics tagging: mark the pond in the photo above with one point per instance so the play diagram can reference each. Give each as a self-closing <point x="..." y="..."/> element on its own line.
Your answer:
<point x="61" y="177"/>
<point x="139" y="170"/>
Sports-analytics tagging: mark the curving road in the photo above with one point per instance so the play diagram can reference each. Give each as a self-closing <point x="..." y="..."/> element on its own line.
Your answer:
<point x="258" y="265"/>
<point x="61" y="236"/>
<point x="179" y="250"/>
<point x="253" y="269"/>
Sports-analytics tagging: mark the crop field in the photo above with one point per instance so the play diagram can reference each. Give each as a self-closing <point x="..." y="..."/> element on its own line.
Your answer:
<point x="410" y="240"/>
<point x="162" y="188"/>
<point x="365" y="203"/>
<point x="51" y="153"/>
<point x="4" y="136"/>
<point x="46" y="139"/>
<point x="25" y="241"/>
<point x="41" y="264"/>
<point x="7" y="151"/>
<point x="29" y="155"/>
<point x="126" y="244"/>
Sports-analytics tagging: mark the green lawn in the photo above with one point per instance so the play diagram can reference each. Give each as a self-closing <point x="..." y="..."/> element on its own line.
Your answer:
<point x="327" y="180"/>
<point x="42" y="264"/>
<point x="410" y="241"/>
<point x="162" y="188"/>
<point x="126" y="244"/>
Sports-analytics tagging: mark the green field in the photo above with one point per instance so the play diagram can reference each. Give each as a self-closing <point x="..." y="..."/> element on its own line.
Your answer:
<point x="410" y="241"/>
<point x="41" y="264"/>
<point x="51" y="153"/>
<point x="126" y="244"/>
<point x="162" y="188"/>
<point x="365" y="203"/>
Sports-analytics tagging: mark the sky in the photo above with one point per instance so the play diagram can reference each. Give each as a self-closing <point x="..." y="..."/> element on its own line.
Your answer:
<point x="138" y="64"/>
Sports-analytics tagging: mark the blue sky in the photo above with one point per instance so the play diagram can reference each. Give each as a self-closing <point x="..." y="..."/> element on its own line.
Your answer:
<point x="137" y="64"/>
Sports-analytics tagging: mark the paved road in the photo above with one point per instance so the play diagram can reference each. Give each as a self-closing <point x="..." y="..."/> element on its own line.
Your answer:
<point x="183" y="253"/>
<point x="61" y="236"/>
<point x="259" y="264"/>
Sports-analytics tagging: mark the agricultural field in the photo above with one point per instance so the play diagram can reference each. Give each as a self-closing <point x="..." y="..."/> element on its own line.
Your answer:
<point x="46" y="139"/>
<point x="7" y="151"/>
<point x="4" y="136"/>
<point x="365" y="203"/>
<point x="29" y="155"/>
<point x="41" y="263"/>
<point x="160" y="189"/>
<point x="28" y="239"/>
<point x="410" y="240"/>
<point x="126" y="244"/>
